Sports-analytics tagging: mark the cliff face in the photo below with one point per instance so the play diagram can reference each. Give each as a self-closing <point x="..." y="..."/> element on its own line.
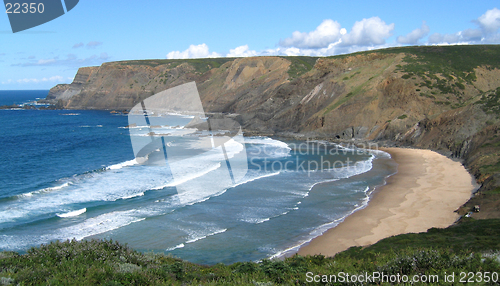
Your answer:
<point x="440" y="98"/>
<point x="65" y="92"/>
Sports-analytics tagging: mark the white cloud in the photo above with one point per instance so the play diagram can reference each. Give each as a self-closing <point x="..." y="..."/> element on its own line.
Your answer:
<point x="468" y="36"/>
<point x="371" y="31"/>
<point x="241" y="51"/>
<point x="55" y="78"/>
<point x="198" y="51"/>
<point x="89" y="45"/>
<point x="327" y="32"/>
<point x="438" y="38"/>
<point x="332" y="49"/>
<point x="45" y="62"/>
<point x="471" y="35"/>
<point x="329" y="38"/>
<point x="79" y="45"/>
<point x="104" y="56"/>
<point x="93" y="44"/>
<point x="71" y="60"/>
<point x="414" y="36"/>
<point x="292" y="52"/>
<point x="490" y="21"/>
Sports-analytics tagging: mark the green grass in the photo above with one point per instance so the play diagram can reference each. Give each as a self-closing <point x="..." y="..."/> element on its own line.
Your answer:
<point x="358" y="89"/>
<point x="490" y="169"/>
<point x="470" y="246"/>
<point x="491" y="103"/>
<point x="442" y="68"/>
<point x="200" y="65"/>
<point x="457" y="61"/>
<point x="473" y="236"/>
<point x="495" y="191"/>
<point x="300" y="65"/>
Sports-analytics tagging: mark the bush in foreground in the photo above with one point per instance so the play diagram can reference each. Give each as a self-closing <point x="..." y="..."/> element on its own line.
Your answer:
<point x="103" y="262"/>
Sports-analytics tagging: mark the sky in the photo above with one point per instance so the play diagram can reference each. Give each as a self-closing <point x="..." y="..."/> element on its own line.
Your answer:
<point x="97" y="31"/>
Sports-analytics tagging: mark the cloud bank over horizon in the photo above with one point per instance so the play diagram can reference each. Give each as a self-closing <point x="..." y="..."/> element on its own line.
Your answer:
<point x="330" y="38"/>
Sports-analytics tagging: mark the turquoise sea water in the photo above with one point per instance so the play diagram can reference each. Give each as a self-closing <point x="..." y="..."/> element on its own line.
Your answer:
<point x="72" y="174"/>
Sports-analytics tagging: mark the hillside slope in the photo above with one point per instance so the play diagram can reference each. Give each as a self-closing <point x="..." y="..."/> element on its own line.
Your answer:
<point x="439" y="98"/>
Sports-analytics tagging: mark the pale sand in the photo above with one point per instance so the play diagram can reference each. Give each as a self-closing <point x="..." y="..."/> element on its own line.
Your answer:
<point x="424" y="193"/>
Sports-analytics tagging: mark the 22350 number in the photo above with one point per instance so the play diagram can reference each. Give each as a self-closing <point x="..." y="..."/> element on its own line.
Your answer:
<point x="17" y="8"/>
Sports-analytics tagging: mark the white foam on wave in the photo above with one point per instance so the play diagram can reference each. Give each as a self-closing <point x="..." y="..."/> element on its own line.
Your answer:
<point x="379" y="153"/>
<point x="123" y="164"/>
<point x="255" y="220"/>
<point x="88" y="126"/>
<point x="130" y="127"/>
<point x="156" y="127"/>
<point x="262" y="220"/>
<point x="89" y="227"/>
<point x="72" y="213"/>
<point x="99" y="224"/>
<point x="175" y="247"/>
<point x="108" y="185"/>
<point x="196" y="238"/>
<point x="359" y="167"/>
<point x="346" y="172"/>
<point x="188" y="177"/>
<point x="132" y="181"/>
<point x="258" y="177"/>
<point x="203" y="176"/>
<point x="132" y="196"/>
<point x="267" y="141"/>
<point x="45" y="190"/>
<point x="263" y="144"/>
<point x="192" y="116"/>
<point x="323" y="228"/>
<point x="191" y="198"/>
<point x="343" y="172"/>
<point x="145" y="132"/>
<point x="176" y="114"/>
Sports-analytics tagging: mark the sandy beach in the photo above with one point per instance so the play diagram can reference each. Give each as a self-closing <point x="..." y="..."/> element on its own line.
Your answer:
<point x="424" y="193"/>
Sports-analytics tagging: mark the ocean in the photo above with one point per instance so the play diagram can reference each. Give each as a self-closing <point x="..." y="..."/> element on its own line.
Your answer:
<point x="68" y="174"/>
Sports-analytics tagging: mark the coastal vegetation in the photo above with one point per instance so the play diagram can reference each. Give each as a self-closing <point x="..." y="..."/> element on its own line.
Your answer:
<point x="300" y="65"/>
<point x="469" y="247"/>
<point x="200" y="65"/>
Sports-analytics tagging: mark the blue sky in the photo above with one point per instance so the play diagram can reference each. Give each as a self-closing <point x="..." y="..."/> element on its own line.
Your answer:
<point x="98" y="31"/>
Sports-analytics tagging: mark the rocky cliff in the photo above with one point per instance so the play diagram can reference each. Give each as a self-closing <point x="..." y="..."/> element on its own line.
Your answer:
<point x="440" y="98"/>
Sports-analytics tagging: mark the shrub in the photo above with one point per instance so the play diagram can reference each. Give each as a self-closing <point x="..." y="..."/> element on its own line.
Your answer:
<point x="459" y="85"/>
<point x="407" y="76"/>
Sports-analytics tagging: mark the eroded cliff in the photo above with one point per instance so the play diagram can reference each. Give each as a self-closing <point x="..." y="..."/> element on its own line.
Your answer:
<point x="440" y="98"/>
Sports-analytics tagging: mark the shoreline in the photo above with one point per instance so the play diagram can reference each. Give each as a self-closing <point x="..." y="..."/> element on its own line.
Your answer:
<point x="424" y="193"/>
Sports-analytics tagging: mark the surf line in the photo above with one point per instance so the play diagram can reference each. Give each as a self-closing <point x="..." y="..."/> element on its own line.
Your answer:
<point x="223" y="151"/>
